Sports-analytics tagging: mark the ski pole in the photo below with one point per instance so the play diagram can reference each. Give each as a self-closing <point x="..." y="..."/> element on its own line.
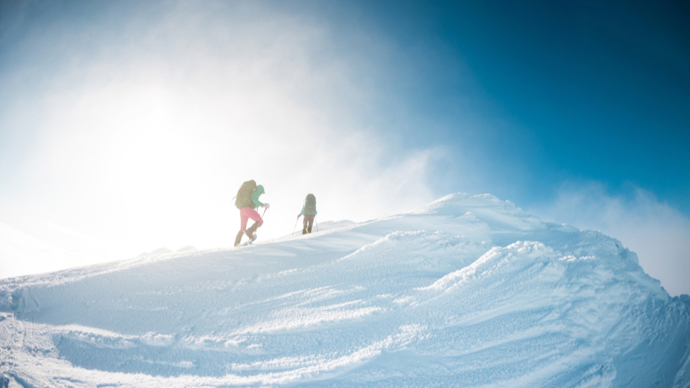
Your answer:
<point x="317" y="225"/>
<point x="293" y="229"/>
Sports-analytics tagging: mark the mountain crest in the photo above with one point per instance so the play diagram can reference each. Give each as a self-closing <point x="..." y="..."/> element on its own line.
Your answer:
<point x="468" y="290"/>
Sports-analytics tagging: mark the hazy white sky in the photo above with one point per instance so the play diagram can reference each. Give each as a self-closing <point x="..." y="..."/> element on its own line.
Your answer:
<point x="140" y="140"/>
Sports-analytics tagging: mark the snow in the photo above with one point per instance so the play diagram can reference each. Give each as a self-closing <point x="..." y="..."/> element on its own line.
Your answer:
<point x="468" y="291"/>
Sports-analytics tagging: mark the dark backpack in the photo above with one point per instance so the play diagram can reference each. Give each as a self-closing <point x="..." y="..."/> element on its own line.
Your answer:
<point x="243" y="199"/>
<point x="310" y="205"/>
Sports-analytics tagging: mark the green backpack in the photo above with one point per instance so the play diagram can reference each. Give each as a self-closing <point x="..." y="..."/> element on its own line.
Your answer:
<point x="310" y="205"/>
<point x="242" y="199"/>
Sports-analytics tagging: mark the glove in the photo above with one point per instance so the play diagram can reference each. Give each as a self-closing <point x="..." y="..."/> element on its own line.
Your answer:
<point x="267" y="205"/>
<point x="299" y="215"/>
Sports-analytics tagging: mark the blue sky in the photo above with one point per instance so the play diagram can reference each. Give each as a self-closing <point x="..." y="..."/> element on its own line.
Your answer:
<point x="126" y="126"/>
<point x="570" y="90"/>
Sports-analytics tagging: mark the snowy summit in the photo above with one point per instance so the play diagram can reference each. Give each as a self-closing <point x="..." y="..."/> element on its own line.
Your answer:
<point x="468" y="291"/>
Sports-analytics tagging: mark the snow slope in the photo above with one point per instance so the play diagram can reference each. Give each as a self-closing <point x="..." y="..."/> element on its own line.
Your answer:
<point x="468" y="291"/>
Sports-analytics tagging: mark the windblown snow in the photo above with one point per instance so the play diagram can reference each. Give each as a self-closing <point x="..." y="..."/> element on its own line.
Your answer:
<point x="468" y="291"/>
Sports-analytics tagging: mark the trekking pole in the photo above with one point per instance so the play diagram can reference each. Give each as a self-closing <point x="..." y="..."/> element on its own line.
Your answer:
<point x="293" y="229"/>
<point x="317" y="225"/>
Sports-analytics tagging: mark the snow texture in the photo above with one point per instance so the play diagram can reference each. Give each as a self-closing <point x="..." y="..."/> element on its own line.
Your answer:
<point x="468" y="291"/>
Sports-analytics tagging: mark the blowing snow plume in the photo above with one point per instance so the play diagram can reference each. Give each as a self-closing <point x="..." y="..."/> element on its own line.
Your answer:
<point x="467" y="291"/>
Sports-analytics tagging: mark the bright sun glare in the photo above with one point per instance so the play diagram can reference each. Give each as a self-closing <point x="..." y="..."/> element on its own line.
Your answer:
<point x="141" y="151"/>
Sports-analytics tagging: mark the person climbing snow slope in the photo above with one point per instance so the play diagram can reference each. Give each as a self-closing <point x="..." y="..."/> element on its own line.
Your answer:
<point x="309" y="212"/>
<point x="247" y="201"/>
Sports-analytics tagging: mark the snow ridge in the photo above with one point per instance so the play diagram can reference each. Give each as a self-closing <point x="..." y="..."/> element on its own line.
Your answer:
<point x="468" y="291"/>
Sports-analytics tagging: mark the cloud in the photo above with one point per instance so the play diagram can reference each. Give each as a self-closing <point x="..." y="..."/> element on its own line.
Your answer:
<point x="16" y="246"/>
<point x="658" y="233"/>
<point x="141" y="134"/>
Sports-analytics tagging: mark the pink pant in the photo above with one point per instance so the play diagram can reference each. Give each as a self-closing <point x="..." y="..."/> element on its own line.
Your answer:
<point x="246" y="213"/>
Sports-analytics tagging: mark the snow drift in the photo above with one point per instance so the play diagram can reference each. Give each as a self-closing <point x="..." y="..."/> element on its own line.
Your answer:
<point x="468" y="291"/>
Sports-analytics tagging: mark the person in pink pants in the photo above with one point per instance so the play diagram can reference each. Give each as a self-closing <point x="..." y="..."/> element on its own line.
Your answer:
<point x="247" y="211"/>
